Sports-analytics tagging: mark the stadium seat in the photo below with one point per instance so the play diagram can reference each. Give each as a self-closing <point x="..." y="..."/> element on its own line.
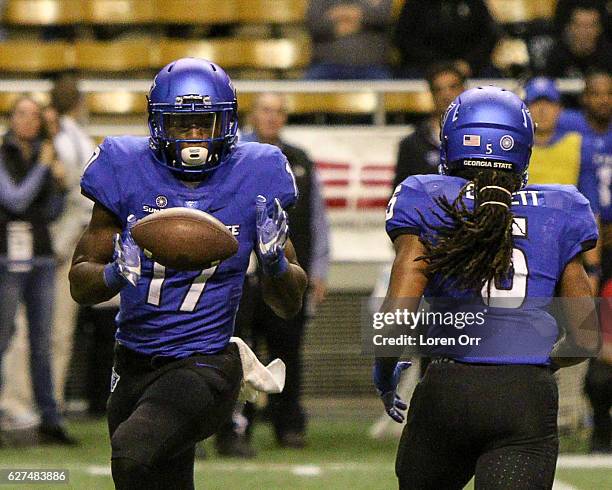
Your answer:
<point x="396" y="8"/>
<point x="7" y="99"/>
<point x="271" y="11"/>
<point x="312" y="103"/>
<point x="332" y="103"/>
<point x="509" y="52"/>
<point x="117" y="56"/>
<point x="229" y="53"/>
<point x="245" y="101"/>
<point x="116" y="103"/>
<point x="412" y="102"/>
<point x="279" y="54"/>
<point x="29" y="57"/>
<point x="513" y="11"/>
<point x="120" y="12"/>
<point x="43" y="12"/>
<point x="197" y="12"/>
<point x="301" y="103"/>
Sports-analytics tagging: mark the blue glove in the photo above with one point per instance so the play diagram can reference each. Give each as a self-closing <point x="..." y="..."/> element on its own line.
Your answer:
<point x="386" y="384"/>
<point x="271" y="237"/>
<point x="125" y="267"/>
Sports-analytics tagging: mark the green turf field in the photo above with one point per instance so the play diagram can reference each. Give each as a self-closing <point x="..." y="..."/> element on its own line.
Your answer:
<point x="339" y="456"/>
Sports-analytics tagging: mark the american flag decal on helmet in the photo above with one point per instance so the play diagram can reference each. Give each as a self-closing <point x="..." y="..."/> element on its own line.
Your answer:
<point x="471" y="140"/>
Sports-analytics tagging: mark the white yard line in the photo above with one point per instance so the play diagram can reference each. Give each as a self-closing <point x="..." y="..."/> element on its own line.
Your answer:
<point x="584" y="461"/>
<point x="306" y="470"/>
<point x="564" y="462"/>
<point x="559" y="485"/>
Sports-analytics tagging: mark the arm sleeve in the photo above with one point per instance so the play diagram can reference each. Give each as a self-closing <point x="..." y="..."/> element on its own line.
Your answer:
<point x="409" y="198"/>
<point x="319" y="231"/>
<point x="17" y="198"/>
<point x="99" y="182"/>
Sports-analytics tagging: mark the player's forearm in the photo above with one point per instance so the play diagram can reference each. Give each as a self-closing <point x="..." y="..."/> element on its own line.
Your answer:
<point x="284" y="293"/>
<point x="583" y="337"/>
<point x="87" y="286"/>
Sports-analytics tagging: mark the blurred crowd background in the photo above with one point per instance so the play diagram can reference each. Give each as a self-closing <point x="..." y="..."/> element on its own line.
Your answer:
<point x="352" y="91"/>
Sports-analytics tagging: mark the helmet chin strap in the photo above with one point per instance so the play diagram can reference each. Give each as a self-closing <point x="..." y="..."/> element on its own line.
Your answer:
<point x="194" y="156"/>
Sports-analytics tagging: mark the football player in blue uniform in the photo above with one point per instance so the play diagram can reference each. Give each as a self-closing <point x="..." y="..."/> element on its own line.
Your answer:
<point x="176" y="376"/>
<point x="476" y="240"/>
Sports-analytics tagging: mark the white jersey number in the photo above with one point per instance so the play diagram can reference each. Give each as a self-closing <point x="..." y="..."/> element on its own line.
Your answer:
<point x="514" y="295"/>
<point x="392" y="201"/>
<point x="194" y="293"/>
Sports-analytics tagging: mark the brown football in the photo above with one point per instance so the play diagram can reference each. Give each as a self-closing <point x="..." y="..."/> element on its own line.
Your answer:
<point x="184" y="239"/>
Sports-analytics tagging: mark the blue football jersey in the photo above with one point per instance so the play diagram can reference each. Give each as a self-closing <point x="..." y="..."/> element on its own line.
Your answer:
<point x="552" y="224"/>
<point x="599" y="151"/>
<point x="177" y="313"/>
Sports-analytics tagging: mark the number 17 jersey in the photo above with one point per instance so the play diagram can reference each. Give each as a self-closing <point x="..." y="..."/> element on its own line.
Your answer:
<point x="552" y="224"/>
<point x="178" y="313"/>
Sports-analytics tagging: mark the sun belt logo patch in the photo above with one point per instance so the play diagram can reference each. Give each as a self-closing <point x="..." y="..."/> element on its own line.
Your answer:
<point x="506" y="142"/>
<point x="161" y="201"/>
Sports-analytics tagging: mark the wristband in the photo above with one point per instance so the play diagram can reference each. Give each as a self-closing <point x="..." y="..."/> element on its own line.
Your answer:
<point x="278" y="267"/>
<point x="112" y="278"/>
<point x="383" y="373"/>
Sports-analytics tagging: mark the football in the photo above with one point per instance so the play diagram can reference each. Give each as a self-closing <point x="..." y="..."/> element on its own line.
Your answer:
<point x="184" y="239"/>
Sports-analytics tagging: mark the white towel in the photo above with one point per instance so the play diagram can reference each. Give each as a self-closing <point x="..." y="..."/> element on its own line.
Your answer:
<point x="257" y="377"/>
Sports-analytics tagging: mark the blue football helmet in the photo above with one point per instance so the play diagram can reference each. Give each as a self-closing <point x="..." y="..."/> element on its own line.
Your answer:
<point x="192" y="101"/>
<point x="486" y="127"/>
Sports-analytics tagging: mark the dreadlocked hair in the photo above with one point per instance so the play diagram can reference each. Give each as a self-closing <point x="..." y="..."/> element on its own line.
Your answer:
<point x="469" y="248"/>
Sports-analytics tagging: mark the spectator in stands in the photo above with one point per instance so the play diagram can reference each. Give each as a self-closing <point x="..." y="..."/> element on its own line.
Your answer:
<point x="564" y="8"/>
<point x="74" y="147"/>
<point x="310" y="236"/>
<point x="95" y="327"/>
<point x="32" y="188"/>
<point x="595" y="118"/>
<point x="594" y="122"/>
<point x="461" y="31"/>
<point x="419" y="153"/>
<point x="598" y="381"/>
<point x="349" y="39"/>
<point x="91" y="361"/>
<point x="553" y="146"/>
<point x="582" y="45"/>
<point x="560" y="157"/>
